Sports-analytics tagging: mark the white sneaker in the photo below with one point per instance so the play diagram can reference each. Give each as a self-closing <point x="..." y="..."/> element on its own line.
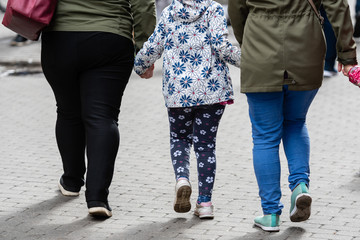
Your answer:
<point x="204" y="212"/>
<point x="66" y="192"/>
<point x="182" y="196"/>
<point x="329" y="74"/>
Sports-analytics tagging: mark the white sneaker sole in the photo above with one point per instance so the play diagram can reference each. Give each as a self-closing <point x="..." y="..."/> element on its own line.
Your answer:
<point x="268" y="229"/>
<point x="99" y="212"/>
<point x="66" y="192"/>
<point x="302" y="208"/>
<point x="204" y="215"/>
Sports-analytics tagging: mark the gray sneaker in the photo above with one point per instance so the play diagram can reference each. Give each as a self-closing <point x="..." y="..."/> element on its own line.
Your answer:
<point x="204" y="212"/>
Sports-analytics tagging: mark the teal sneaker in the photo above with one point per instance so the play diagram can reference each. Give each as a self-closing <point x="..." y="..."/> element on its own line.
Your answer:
<point x="300" y="209"/>
<point x="269" y="223"/>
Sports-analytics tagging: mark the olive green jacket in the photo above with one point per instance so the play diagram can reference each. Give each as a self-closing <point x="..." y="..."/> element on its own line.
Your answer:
<point x="134" y="19"/>
<point x="285" y="36"/>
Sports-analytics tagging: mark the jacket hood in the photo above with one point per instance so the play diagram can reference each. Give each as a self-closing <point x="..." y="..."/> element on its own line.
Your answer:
<point x="188" y="11"/>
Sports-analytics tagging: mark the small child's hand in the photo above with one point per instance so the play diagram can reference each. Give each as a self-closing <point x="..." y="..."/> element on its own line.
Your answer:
<point x="344" y="68"/>
<point x="149" y="73"/>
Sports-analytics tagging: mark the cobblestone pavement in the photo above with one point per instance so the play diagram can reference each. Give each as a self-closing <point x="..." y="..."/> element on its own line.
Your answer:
<point x="142" y="191"/>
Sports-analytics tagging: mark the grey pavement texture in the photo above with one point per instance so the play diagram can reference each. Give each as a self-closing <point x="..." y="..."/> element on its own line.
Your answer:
<point x="142" y="191"/>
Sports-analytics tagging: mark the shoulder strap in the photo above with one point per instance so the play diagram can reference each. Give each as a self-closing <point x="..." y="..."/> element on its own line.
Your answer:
<point x="316" y="11"/>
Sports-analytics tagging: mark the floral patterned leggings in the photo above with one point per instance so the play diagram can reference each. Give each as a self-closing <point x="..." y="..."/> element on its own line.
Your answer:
<point x="196" y="125"/>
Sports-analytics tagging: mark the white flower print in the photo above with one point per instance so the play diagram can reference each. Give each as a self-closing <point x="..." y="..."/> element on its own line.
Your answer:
<point x="219" y="112"/>
<point x="174" y="162"/>
<point x="171" y="119"/>
<point x="181" y="117"/>
<point x="177" y="153"/>
<point x="206" y="115"/>
<point x="197" y="155"/>
<point x="202" y="132"/>
<point x="211" y="159"/>
<point x="180" y="169"/>
<point x="190" y="136"/>
<point x="200" y="184"/>
<point x="213" y="129"/>
<point x="187" y="150"/>
<point x="198" y="121"/>
<point x="201" y="164"/>
<point x="200" y="148"/>
<point x="209" y="179"/>
<point x="183" y="131"/>
<point x="173" y="134"/>
<point x="187" y="110"/>
<point x="172" y="146"/>
<point x="210" y="145"/>
<point x="188" y="123"/>
<point x="195" y="139"/>
<point x="175" y="140"/>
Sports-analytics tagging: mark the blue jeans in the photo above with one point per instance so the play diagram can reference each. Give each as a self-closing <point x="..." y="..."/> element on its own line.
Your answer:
<point x="331" y="53"/>
<point x="277" y="116"/>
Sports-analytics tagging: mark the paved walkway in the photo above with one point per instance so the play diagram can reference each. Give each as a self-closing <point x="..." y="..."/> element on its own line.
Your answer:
<point x="142" y="191"/>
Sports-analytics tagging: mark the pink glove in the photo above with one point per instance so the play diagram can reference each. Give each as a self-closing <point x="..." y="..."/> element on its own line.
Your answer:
<point x="354" y="75"/>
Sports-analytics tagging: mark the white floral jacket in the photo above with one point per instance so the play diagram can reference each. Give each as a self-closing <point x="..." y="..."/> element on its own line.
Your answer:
<point x="192" y="34"/>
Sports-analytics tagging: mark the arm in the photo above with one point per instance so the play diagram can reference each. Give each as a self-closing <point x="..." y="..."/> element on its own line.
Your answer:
<point x="144" y="20"/>
<point x="219" y="41"/>
<point x="338" y="14"/>
<point x="152" y="49"/>
<point x="238" y="13"/>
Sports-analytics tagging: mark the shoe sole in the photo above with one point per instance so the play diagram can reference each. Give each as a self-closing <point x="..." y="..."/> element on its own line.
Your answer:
<point x="100" y="212"/>
<point x="302" y="209"/>
<point x="204" y="216"/>
<point x="66" y="192"/>
<point x="182" y="203"/>
<point x="267" y="229"/>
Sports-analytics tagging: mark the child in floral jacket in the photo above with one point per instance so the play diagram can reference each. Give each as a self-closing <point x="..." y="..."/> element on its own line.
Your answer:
<point x="192" y="37"/>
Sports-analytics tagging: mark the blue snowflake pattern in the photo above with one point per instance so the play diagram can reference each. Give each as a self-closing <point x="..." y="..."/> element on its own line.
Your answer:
<point x="183" y="14"/>
<point x="213" y="85"/>
<point x="198" y="102"/>
<point x="169" y="44"/>
<point x="167" y="75"/>
<point x="183" y="37"/>
<point x="185" y="101"/>
<point x="149" y="51"/>
<point x="171" y="89"/>
<point x="200" y="28"/>
<point x="196" y="59"/>
<point x="184" y="56"/>
<point x="178" y="68"/>
<point x="206" y="72"/>
<point x="185" y="82"/>
<point x="208" y="39"/>
<point x="170" y="19"/>
<point x="220" y="65"/>
<point x="217" y="40"/>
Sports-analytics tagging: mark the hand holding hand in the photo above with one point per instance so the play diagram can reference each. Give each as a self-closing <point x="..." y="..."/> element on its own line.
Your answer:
<point x="344" y="68"/>
<point x="149" y="73"/>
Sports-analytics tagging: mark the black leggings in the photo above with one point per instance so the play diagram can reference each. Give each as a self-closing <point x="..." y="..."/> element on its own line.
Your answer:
<point x="195" y="126"/>
<point x="88" y="72"/>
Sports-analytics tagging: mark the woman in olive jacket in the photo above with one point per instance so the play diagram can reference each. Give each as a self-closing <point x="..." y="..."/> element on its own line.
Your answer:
<point x="87" y="58"/>
<point x="283" y="50"/>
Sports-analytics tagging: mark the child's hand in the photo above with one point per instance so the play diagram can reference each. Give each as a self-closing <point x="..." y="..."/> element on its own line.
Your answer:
<point x="149" y="73"/>
<point x="344" y="68"/>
